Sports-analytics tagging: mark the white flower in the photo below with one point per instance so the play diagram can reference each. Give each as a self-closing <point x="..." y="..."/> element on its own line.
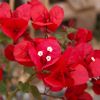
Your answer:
<point x="50" y="49"/>
<point x="40" y="53"/>
<point x="48" y="58"/>
<point x="93" y="59"/>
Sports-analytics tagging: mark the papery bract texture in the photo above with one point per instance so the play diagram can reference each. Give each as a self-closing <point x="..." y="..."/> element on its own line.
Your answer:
<point x="14" y="27"/>
<point x="21" y="53"/>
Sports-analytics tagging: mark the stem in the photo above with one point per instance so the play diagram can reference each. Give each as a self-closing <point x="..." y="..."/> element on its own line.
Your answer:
<point x="8" y="81"/>
<point x="52" y="96"/>
<point x="11" y="3"/>
<point x="46" y="35"/>
<point x="29" y="80"/>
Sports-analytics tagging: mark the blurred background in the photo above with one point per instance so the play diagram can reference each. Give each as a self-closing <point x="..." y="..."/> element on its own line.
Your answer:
<point x="85" y="13"/>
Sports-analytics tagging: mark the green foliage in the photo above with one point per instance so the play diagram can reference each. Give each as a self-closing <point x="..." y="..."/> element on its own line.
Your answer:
<point x="70" y="30"/>
<point x="4" y="38"/>
<point x="29" y="70"/>
<point x="24" y="87"/>
<point x="36" y="93"/>
<point x="2" y="87"/>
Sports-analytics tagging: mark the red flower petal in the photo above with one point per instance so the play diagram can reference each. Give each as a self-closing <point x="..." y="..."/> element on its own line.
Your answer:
<point x="83" y="35"/>
<point x="14" y="28"/>
<point x="23" y="12"/>
<point x="80" y="75"/>
<point x="54" y="81"/>
<point x="96" y="86"/>
<point x="5" y="11"/>
<point x="9" y="52"/>
<point x="39" y="15"/>
<point x="97" y="53"/>
<point x="95" y="68"/>
<point x="1" y="74"/>
<point x="80" y="89"/>
<point x="56" y="17"/>
<point x="21" y="53"/>
<point x="85" y="96"/>
<point x="71" y="36"/>
<point x="42" y="45"/>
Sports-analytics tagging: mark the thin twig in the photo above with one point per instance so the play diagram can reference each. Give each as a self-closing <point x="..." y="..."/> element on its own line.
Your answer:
<point x="52" y="96"/>
<point x="11" y="3"/>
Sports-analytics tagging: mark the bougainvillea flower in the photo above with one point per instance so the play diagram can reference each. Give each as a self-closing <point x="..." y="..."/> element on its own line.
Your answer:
<point x="44" y="20"/>
<point x="21" y="53"/>
<point x="14" y="28"/>
<point x="9" y="52"/>
<point x="59" y="79"/>
<point x="14" y="23"/>
<point x="77" y="93"/>
<point x="82" y="35"/>
<point x="65" y="74"/>
<point x="96" y="86"/>
<point x="46" y="52"/>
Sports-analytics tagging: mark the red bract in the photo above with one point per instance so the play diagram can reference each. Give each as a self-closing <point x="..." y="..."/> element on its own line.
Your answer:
<point x="23" y="12"/>
<point x="82" y="35"/>
<point x="21" y="53"/>
<point x="60" y="78"/>
<point x="96" y="86"/>
<point x="4" y="11"/>
<point x="45" y="52"/>
<point x="95" y="67"/>
<point x="14" y="28"/>
<point x="9" y="52"/>
<point x="77" y="93"/>
<point x="65" y="74"/>
<point x="44" y="20"/>
<point x="1" y="74"/>
<point x="14" y="23"/>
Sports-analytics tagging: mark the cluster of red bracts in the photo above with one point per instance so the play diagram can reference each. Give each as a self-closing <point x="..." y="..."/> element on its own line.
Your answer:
<point x="58" y="69"/>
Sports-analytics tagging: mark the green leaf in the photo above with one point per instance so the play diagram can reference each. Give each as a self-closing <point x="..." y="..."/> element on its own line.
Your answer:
<point x="2" y="87"/>
<point x="58" y="36"/>
<point x="35" y="92"/>
<point x="71" y="30"/>
<point x="45" y="71"/>
<point x="29" y="70"/>
<point x="25" y="87"/>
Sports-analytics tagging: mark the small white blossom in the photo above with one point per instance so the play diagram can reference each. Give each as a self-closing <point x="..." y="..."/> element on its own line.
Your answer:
<point x="40" y="53"/>
<point x="50" y="49"/>
<point x="48" y="58"/>
<point x="93" y="59"/>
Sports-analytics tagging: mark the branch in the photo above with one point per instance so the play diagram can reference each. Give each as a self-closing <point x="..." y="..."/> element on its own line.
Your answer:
<point x="52" y="96"/>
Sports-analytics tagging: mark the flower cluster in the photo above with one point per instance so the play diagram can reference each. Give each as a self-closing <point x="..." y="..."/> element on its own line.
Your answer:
<point x="57" y="68"/>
